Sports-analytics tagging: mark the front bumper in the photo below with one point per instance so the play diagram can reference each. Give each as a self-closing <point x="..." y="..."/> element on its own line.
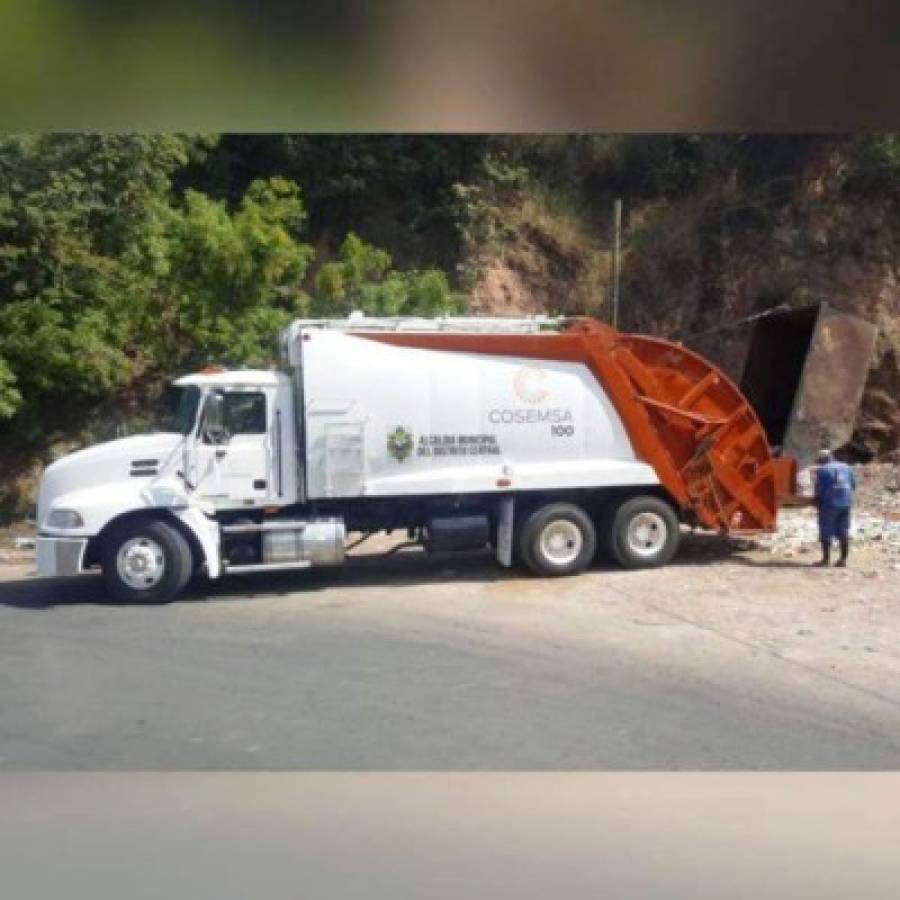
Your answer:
<point x="60" y="556"/>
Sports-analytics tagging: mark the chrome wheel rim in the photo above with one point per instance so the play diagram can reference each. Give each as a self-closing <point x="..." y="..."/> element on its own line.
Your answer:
<point x="141" y="563"/>
<point x="561" y="542"/>
<point x="647" y="534"/>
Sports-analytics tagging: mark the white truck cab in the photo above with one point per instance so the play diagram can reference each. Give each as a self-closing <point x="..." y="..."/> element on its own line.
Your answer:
<point x="231" y="447"/>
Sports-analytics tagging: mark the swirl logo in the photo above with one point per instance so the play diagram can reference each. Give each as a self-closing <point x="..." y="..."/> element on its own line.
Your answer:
<point x="528" y="384"/>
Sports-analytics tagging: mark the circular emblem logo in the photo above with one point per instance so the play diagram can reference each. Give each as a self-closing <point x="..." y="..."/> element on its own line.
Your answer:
<point x="528" y="384"/>
<point x="399" y="443"/>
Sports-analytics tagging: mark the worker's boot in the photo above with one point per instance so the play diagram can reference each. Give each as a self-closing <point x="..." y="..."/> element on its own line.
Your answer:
<point x="826" y="554"/>
<point x="845" y="550"/>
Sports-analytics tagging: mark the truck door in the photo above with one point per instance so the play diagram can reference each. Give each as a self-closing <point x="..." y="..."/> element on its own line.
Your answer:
<point x="234" y="453"/>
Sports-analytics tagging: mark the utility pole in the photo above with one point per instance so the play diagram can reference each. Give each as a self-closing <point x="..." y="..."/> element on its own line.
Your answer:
<point x="616" y="259"/>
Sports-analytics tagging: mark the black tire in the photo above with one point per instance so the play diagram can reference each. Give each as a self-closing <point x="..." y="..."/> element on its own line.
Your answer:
<point x="532" y="540"/>
<point x="650" y="548"/>
<point x="153" y="541"/>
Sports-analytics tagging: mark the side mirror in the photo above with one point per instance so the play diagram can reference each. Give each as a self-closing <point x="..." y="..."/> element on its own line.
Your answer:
<point x="213" y="429"/>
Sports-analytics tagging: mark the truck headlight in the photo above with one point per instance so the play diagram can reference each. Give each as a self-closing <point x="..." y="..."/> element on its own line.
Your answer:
<point x="64" y="518"/>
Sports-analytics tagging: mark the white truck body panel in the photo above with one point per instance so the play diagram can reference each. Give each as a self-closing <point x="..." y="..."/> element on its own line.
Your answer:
<point x="382" y="420"/>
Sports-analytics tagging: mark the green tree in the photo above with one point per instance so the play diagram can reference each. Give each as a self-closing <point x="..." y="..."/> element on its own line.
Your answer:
<point x="392" y="190"/>
<point x="231" y="279"/>
<point x="76" y="215"/>
<point x="10" y="398"/>
<point x="107" y="274"/>
<point x="362" y="279"/>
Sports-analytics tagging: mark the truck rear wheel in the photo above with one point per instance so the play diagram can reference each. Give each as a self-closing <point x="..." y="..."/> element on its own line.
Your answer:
<point x="643" y="533"/>
<point x="146" y="562"/>
<point x="557" y="539"/>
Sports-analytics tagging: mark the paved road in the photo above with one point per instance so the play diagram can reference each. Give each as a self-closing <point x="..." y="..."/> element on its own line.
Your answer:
<point x="415" y="664"/>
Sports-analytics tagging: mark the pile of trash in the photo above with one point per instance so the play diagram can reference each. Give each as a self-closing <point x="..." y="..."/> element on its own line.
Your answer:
<point x="875" y="523"/>
<point x="798" y="532"/>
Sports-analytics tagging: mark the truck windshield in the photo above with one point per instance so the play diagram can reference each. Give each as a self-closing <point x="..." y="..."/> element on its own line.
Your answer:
<point x="181" y="414"/>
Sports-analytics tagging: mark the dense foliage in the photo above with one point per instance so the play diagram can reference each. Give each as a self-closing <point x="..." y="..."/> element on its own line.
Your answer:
<point x="125" y="259"/>
<point x="112" y="272"/>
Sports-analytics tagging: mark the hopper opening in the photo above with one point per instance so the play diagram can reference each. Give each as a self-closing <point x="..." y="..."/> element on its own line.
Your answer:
<point x="774" y="367"/>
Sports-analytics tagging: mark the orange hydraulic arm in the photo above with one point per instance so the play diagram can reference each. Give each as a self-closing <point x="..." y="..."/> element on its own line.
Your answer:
<point x="683" y="416"/>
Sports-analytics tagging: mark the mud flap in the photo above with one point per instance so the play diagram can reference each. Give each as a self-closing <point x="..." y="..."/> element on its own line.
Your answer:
<point x="505" y="521"/>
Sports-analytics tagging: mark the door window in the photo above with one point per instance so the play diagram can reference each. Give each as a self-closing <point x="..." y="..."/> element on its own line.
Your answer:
<point x="233" y="413"/>
<point x="245" y="413"/>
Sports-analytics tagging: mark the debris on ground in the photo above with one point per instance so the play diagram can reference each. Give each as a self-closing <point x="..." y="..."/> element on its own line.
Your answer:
<point x="875" y="521"/>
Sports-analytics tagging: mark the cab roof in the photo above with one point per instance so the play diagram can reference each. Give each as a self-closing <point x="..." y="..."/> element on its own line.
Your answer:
<point x="243" y="377"/>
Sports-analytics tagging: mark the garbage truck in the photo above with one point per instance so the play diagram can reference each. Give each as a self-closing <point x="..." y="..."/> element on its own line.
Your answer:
<point x="547" y="440"/>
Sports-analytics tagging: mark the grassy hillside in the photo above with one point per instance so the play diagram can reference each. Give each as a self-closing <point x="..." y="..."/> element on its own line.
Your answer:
<point x="715" y="230"/>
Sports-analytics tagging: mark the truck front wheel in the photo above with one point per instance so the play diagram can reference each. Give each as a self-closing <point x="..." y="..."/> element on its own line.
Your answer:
<point x="146" y="562"/>
<point x="557" y="539"/>
<point x="643" y="533"/>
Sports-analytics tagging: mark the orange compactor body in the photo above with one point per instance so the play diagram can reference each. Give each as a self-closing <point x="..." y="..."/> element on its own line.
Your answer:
<point x="683" y="416"/>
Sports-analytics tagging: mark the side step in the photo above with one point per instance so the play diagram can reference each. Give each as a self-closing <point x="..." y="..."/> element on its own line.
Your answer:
<point x="265" y="567"/>
<point x="256" y="527"/>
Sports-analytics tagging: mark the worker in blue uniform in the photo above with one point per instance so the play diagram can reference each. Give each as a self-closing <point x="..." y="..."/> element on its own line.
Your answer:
<point x="835" y="484"/>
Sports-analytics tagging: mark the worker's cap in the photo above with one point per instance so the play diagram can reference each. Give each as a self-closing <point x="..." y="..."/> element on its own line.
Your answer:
<point x="824" y="456"/>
